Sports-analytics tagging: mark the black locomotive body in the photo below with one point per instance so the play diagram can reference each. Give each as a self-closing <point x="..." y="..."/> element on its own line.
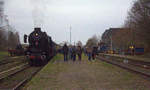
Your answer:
<point x="41" y="48"/>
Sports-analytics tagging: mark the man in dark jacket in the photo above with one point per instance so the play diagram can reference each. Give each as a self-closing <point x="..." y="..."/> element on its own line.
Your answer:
<point x="94" y="52"/>
<point x="79" y="52"/>
<point x="65" y="52"/>
<point x="74" y="53"/>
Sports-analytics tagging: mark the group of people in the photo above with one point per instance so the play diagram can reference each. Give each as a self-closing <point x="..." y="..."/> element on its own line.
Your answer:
<point x="72" y="51"/>
<point x="91" y="52"/>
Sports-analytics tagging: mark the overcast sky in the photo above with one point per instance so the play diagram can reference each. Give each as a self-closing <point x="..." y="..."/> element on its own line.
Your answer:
<point x="87" y="17"/>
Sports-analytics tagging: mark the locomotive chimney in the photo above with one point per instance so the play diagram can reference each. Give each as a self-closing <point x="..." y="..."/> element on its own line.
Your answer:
<point x="37" y="29"/>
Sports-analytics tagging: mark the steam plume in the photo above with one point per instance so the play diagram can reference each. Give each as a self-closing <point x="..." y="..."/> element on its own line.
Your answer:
<point x="38" y="12"/>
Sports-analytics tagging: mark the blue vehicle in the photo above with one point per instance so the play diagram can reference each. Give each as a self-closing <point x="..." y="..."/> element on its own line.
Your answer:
<point x="102" y="49"/>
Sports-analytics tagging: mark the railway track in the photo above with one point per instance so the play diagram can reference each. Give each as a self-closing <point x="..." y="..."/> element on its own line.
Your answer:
<point x="142" y="64"/>
<point x="125" y="65"/>
<point x="14" y="78"/>
<point x="10" y="65"/>
<point x="12" y="71"/>
<point x="139" y="63"/>
<point x="23" y="82"/>
<point x="9" y="60"/>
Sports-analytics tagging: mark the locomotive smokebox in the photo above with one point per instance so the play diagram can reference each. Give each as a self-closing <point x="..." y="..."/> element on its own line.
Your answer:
<point x="37" y="29"/>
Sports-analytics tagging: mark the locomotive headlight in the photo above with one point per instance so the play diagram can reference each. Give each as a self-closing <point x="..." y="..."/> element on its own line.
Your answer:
<point x="36" y="34"/>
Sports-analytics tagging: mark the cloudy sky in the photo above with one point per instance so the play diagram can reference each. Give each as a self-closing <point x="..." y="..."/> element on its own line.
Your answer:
<point x="86" y="17"/>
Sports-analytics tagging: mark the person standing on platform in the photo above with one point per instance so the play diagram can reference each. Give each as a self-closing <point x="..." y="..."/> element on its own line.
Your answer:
<point x="79" y="53"/>
<point x="89" y="52"/>
<point x="74" y="53"/>
<point x="70" y="52"/>
<point x="65" y="52"/>
<point x="94" y="52"/>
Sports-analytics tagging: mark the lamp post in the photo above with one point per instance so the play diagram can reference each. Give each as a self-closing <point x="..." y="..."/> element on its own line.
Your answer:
<point x="147" y="5"/>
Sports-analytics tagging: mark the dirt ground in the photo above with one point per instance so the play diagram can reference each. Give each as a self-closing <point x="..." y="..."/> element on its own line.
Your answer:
<point x="86" y="75"/>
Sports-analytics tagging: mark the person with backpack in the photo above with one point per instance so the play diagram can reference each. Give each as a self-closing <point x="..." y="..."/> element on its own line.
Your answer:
<point x="65" y="52"/>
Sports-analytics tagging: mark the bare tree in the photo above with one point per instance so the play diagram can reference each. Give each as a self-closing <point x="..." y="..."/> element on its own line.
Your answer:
<point x="92" y="41"/>
<point x="138" y="21"/>
<point x="79" y="43"/>
<point x="3" y="38"/>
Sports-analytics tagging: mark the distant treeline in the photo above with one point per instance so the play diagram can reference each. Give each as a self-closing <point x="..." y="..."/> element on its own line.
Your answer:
<point x="8" y="38"/>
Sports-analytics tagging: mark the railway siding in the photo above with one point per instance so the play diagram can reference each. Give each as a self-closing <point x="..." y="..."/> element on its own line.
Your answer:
<point x="138" y="65"/>
<point x="127" y="57"/>
<point x="127" y="66"/>
<point x="85" y="75"/>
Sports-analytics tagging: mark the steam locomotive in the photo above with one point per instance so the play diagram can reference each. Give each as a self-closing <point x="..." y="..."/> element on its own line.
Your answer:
<point x="41" y="47"/>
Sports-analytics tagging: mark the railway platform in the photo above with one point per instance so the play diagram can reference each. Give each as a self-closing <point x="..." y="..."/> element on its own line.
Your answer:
<point x="85" y="75"/>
